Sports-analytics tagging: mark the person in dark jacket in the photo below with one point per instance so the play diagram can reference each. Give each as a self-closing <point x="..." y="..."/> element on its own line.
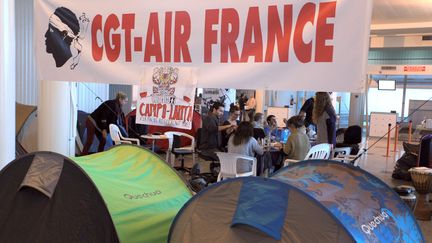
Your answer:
<point x="306" y="112"/>
<point x="211" y="129"/>
<point x="97" y="123"/>
<point x="234" y="114"/>
<point x="242" y="102"/>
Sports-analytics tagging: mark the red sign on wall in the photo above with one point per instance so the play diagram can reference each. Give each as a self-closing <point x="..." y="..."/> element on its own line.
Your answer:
<point x="414" y="68"/>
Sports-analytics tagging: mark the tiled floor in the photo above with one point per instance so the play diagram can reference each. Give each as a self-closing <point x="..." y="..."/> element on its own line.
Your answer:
<point x="375" y="162"/>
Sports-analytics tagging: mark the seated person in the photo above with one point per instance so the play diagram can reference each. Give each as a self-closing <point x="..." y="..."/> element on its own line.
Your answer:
<point x="244" y="143"/>
<point x="234" y="114"/>
<point x="210" y="132"/>
<point x="298" y="144"/>
<point x="258" y="120"/>
<point x="271" y="127"/>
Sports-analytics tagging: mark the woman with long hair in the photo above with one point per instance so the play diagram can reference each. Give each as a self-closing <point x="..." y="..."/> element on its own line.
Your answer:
<point x="324" y="116"/>
<point x="243" y="142"/>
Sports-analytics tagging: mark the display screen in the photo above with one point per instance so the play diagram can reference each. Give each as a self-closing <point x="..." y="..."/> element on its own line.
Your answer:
<point x="386" y="84"/>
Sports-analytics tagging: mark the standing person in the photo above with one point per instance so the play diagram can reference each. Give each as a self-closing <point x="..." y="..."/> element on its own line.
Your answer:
<point x="244" y="143"/>
<point x="297" y="145"/>
<point x="210" y="133"/>
<point x="324" y="116"/>
<point x="97" y="123"/>
<point x="306" y="112"/>
<point x="242" y="101"/>
<point x="250" y="109"/>
<point x="234" y="114"/>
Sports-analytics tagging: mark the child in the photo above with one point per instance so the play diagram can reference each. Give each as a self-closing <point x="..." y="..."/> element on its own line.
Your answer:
<point x="298" y="144"/>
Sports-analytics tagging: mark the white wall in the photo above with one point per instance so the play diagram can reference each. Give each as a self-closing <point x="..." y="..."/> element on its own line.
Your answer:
<point x="230" y="95"/>
<point x="87" y="94"/>
<point x="282" y="98"/>
<point x="7" y="82"/>
<point x="385" y="101"/>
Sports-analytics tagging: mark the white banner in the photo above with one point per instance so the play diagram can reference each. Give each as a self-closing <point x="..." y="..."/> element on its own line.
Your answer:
<point x="167" y="97"/>
<point x="256" y="44"/>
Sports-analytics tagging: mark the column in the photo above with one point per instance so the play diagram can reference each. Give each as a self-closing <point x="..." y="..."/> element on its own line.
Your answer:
<point x="7" y="82"/>
<point x="356" y="113"/>
<point x="260" y="100"/>
<point x="57" y="117"/>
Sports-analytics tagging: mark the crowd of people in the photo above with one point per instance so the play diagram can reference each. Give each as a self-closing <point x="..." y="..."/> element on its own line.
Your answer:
<point x="242" y="132"/>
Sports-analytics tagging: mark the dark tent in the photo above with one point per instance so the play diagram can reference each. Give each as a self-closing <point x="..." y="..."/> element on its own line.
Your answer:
<point x="46" y="197"/>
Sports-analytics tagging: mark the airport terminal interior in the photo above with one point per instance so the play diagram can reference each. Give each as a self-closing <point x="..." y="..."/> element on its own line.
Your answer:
<point x="108" y="162"/>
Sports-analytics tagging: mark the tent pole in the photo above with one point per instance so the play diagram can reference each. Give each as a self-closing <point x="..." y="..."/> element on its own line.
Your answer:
<point x="404" y="98"/>
<point x="368" y="82"/>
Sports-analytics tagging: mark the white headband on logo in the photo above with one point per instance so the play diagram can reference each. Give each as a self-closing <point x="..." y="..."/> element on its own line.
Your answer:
<point x="57" y="23"/>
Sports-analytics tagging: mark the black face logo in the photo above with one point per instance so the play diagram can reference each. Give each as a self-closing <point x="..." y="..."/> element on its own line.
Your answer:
<point x="63" y="31"/>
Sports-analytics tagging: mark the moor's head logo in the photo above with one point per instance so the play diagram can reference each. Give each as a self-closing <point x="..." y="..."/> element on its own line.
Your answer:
<point x="65" y="30"/>
<point x="163" y="78"/>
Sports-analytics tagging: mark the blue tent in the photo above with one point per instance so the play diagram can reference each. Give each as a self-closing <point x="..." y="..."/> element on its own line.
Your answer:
<point x="358" y="199"/>
<point x="311" y="201"/>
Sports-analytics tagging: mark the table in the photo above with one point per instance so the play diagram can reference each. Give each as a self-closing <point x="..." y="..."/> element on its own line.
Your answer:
<point x="154" y="138"/>
<point x="271" y="159"/>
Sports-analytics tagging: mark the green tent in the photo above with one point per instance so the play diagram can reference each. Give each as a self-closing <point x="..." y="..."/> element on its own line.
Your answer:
<point x="126" y="194"/>
<point x="142" y="192"/>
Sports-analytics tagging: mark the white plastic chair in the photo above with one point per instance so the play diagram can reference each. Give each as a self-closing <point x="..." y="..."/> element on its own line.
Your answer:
<point x="228" y="163"/>
<point x="180" y="150"/>
<point x="117" y="138"/>
<point x="319" y="151"/>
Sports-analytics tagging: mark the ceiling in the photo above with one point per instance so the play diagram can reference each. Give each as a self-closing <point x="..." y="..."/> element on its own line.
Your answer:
<point x="401" y="11"/>
<point x="394" y="17"/>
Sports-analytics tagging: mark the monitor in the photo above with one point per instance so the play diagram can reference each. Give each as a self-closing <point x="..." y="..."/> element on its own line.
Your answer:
<point x="386" y="84"/>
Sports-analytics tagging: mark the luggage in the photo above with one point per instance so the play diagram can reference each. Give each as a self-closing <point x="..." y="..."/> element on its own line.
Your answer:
<point x="406" y="162"/>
